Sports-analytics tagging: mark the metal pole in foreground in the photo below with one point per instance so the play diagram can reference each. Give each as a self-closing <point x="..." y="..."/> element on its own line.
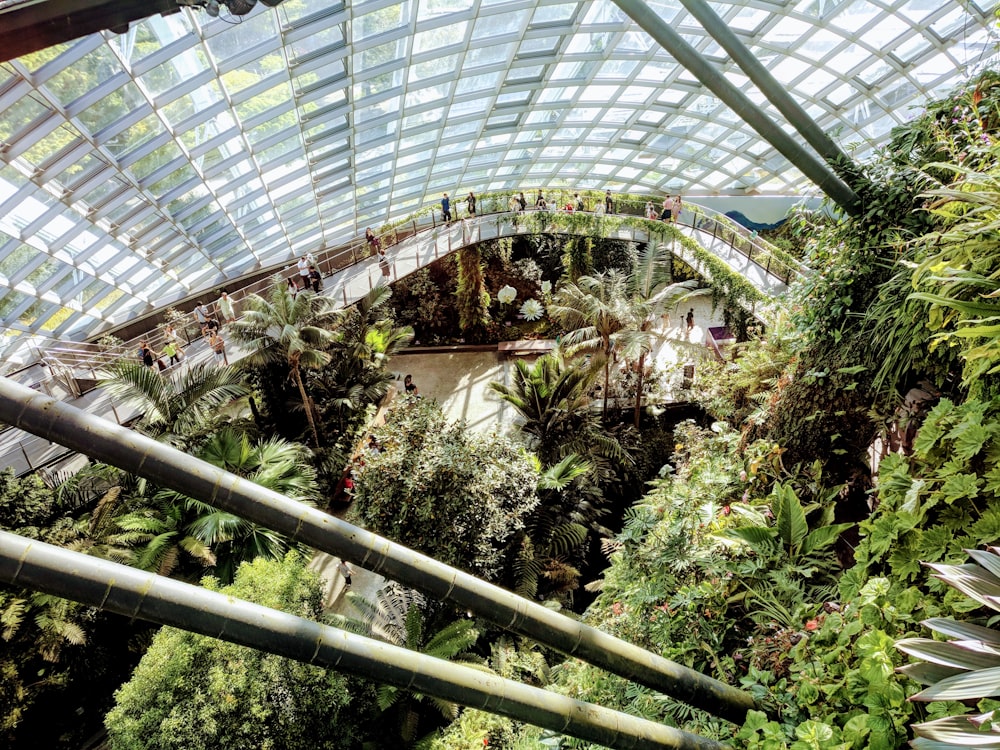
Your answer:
<point x="95" y="437"/>
<point x="134" y="593"/>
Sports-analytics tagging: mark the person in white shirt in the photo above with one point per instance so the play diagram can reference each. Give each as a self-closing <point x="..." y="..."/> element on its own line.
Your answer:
<point x="303" y="264"/>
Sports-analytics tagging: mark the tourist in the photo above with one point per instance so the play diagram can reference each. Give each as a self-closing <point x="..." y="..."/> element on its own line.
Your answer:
<point x="372" y="240"/>
<point x="678" y="207"/>
<point x="578" y="202"/>
<point x="522" y="202"/>
<point x="303" y="265"/>
<point x="174" y="352"/>
<point x="225" y="305"/>
<point x="383" y="264"/>
<point x="201" y="315"/>
<point x="218" y="347"/>
<point x="470" y="203"/>
<point x="316" y="278"/>
<point x="668" y="207"/>
<point x="147" y="355"/>
<point x="609" y="204"/>
<point x="689" y="319"/>
<point x="343" y="568"/>
<point x="293" y="288"/>
<point x="446" y="208"/>
<point x="170" y="335"/>
<point x="540" y="203"/>
<point x="650" y="211"/>
<point x="410" y="387"/>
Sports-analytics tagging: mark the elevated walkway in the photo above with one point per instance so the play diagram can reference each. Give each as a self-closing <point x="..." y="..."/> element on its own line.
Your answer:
<point x="70" y="372"/>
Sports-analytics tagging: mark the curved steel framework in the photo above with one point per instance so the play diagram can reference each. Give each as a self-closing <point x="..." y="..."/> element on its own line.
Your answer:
<point x="138" y="169"/>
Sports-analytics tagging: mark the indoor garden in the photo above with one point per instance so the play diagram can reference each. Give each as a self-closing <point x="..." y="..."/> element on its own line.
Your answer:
<point x="816" y="523"/>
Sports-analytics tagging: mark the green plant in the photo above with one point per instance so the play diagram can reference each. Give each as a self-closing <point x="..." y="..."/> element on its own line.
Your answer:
<point x="195" y="691"/>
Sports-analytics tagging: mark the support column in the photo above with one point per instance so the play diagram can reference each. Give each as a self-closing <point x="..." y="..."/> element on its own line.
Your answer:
<point x="740" y="103"/>
<point x="762" y="79"/>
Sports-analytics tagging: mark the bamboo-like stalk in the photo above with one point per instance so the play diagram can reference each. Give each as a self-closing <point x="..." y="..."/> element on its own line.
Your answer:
<point x="49" y="418"/>
<point x="134" y="593"/>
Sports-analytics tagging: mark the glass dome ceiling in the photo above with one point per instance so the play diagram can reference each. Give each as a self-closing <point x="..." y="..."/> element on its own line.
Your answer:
<point x="137" y="169"/>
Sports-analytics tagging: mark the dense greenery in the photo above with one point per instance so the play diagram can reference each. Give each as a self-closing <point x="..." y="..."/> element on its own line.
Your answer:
<point x="457" y="496"/>
<point x="777" y="544"/>
<point x="191" y="690"/>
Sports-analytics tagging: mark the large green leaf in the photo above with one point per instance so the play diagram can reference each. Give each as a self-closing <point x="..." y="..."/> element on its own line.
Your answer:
<point x="760" y="538"/>
<point x="983" y="683"/>
<point x="790" y="518"/>
<point x="824" y="536"/>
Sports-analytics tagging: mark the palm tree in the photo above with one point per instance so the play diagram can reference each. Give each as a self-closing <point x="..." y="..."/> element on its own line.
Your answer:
<point x="551" y="400"/>
<point x="597" y="310"/>
<point x="174" y="406"/>
<point x="652" y="295"/>
<point x="357" y="372"/>
<point x="294" y="330"/>
<point x="275" y="464"/>
<point x="396" y="617"/>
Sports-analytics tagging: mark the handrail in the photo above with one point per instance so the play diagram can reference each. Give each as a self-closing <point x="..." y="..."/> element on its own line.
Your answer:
<point x="67" y="362"/>
<point x="91" y="357"/>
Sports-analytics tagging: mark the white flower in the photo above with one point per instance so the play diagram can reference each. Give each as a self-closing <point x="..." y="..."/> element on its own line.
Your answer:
<point x="532" y="310"/>
<point x="546" y="287"/>
<point x="507" y="295"/>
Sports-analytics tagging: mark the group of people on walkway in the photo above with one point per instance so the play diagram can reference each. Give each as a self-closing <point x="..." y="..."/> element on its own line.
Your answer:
<point x="671" y="211"/>
<point x="308" y="276"/>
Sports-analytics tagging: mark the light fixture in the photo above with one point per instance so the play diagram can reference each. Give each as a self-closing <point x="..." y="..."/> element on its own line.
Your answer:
<point x="212" y="8"/>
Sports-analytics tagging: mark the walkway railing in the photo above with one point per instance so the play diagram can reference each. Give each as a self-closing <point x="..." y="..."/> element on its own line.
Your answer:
<point x="74" y="369"/>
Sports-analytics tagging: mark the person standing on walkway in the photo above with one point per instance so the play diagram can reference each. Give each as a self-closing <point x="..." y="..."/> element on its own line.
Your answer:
<point x="650" y="211"/>
<point x="201" y="316"/>
<point x="303" y="265"/>
<point x="225" y="305"/>
<point x="678" y="207"/>
<point x="446" y="208"/>
<point x="522" y="202"/>
<point x="345" y="570"/>
<point x="372" y="240"/>
<point x="218" y="347"/>
<point x="316" y="278"/>
<point x="668" y="207"/>
<point x="147" y="355"/>
<point x="609" y="204"/>
<point x="689" y="319"/>
<point x="470" y="203"/>
<point x="578" y="202"/>
<point x="383" y="264"/>
<point x="171" y="350"/>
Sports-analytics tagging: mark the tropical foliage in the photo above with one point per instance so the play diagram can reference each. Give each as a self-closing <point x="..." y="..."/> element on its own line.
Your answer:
<point x="195" y="691"/>
<point x="454" y="495"/>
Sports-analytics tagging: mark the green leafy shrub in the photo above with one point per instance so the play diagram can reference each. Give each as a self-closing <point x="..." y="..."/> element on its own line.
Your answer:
<point x="457" y="496"/>
<point x="191" y="691"/>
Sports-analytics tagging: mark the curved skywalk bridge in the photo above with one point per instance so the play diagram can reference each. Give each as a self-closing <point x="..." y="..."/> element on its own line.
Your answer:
<point x="755" y="260"/>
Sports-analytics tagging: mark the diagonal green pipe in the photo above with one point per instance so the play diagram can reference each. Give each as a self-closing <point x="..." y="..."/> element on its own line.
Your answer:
<point x="751" y="114"/>
<point x="134" y="593"/>
<point x="775" y="92"/>
<point x="95" y="437"/>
